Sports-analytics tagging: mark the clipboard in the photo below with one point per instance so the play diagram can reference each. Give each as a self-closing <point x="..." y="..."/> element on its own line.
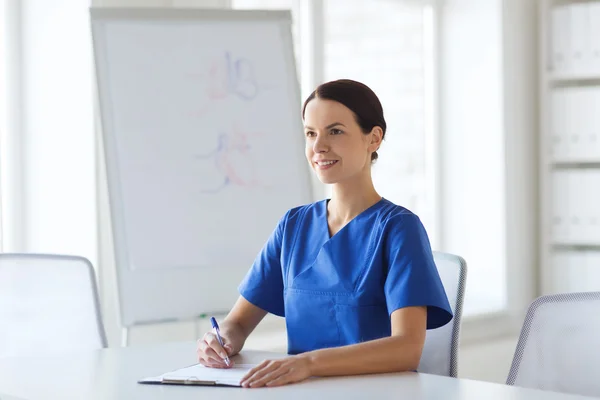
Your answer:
<point x="199" y="375"/>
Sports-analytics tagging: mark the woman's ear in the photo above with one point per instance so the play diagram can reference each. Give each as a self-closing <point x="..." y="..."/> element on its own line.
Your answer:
<point x="376" y="138"/>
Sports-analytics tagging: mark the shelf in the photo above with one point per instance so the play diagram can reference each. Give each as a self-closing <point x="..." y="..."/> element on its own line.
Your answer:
<point x="553" y="3"/>
<point x="575" y="164"/>
<point x="576" y="247"/>
<point x="569" y="173"/>
<point x="565" y="78"/>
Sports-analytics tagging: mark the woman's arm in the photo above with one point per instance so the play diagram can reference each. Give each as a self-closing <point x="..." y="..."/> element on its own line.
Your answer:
<point x="243" y="318"/>
<point x="235" y="329"/>
<point x="399" y="352"/>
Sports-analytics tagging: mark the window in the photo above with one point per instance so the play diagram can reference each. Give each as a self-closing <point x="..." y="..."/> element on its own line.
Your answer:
<point x="474" y="213"/>
<point x="51" y="201"/>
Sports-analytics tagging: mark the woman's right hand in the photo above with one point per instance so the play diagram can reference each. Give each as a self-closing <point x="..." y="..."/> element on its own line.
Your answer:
<point x="211" y="353"/>
<point x="234" y="329"/>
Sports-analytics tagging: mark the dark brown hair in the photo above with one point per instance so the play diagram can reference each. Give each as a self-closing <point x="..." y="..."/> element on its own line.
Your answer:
<point x="359" y="98"/>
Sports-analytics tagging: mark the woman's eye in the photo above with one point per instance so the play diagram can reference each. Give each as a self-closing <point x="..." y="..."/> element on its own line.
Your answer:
<point x="335" y="131"/>
<point x="310" y="134"/>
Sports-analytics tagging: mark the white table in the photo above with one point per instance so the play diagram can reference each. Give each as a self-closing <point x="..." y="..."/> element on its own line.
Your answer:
<point x="113" y="373"/>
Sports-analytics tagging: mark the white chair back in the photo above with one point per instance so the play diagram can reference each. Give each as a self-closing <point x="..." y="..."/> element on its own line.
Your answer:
<point x="559" y="346"/>
<point x="440" y="353"/>
<point x="48" y="305"/>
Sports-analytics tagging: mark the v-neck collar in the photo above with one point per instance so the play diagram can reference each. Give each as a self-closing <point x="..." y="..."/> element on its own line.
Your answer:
<point x="360" y="215"/>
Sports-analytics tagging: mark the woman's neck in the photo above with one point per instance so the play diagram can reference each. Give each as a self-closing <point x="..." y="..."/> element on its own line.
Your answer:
<point x="350" y="199"/>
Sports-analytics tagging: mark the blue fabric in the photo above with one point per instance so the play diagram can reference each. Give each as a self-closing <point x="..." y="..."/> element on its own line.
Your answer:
<point x="341" y="290"/>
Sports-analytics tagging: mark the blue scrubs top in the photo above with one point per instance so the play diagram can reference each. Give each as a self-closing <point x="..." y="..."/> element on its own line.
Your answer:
<point x="341" y="290"/>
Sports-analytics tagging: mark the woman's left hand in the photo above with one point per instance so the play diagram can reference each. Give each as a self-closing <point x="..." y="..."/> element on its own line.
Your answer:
<point x="278" y="372"/>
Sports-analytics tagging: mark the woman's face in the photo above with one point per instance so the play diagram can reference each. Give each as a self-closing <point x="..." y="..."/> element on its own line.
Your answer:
<point x="336" y="147"/>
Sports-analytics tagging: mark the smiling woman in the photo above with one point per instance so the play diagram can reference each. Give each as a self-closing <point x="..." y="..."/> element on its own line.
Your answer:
<point x="337" y="115"/>
<point x="353" y="275"/>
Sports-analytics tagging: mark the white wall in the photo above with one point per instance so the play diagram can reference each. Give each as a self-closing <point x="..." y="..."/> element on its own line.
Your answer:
<point x="521" y="131"/>
<point x="489" y="360"/>
<point x="51" y="187"/>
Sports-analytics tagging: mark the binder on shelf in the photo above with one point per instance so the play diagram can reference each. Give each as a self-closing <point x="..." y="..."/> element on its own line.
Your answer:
<point x="585" y="151"/>
<point x="571" y="135"/>
<point x="583" y="192"/>
<point x="558" y="141"/>
<point x="592" y="276"/>
<point x="560" y="21"/>
<point x="594" y="120"/>
<point x="584" y="113"/>
<point x="588" y="143"/>
<point x="576" y="123"/>
<point x="592" y="207"/>
<point x="577" y="265"/>
<point x="569" y="270"/>
<point x="560" y="206"/>
<point x="575" y="193"/>
<point x="594" y="23"/>
<point x="579" y="38"/>
<point x="559" y="261"/>
<point x="572" y="115"/>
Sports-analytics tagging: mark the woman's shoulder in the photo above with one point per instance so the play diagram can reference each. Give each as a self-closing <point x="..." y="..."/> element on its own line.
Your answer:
<point x="296" y="214"/>
<point x="307" y="207"/>
<point x="393" y="216"/>
<point x="390" y="210"/>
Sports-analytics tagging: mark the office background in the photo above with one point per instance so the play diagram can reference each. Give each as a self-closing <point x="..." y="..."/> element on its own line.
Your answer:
<point x="468" y="88"/>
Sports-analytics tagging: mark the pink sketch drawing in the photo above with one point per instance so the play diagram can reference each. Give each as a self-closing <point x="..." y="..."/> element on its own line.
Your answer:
<point x="227" y="76"/>
<point x="234" y="161"/>
<point x="232" y="76"/>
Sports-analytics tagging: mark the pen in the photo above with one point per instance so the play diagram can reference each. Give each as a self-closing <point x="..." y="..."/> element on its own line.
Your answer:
<point x="215" y="326"/>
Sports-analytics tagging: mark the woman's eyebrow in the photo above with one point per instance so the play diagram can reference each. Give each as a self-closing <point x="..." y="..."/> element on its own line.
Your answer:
<point x="327" y="127"/>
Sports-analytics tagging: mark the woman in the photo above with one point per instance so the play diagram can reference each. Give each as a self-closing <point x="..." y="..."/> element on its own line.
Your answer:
<point x="353" y="275"/>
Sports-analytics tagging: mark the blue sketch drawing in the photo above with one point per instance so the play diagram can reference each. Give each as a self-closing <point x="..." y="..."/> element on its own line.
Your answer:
<point x="232" y="76"/>
<point x="233" y="160"/>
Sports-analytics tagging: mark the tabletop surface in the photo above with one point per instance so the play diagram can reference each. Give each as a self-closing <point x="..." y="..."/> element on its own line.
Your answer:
<point x="113" y="374"/>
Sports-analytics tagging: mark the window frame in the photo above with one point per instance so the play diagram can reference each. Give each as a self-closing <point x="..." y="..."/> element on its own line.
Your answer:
<point x="12" y="219"/>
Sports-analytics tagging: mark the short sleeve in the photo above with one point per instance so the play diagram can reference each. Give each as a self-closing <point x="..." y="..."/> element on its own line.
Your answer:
<point x="263" y="284"/>
<point x="412" y="278"/>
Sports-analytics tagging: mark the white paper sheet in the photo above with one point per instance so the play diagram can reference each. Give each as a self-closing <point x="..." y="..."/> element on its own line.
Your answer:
<point x="198" y="374"/>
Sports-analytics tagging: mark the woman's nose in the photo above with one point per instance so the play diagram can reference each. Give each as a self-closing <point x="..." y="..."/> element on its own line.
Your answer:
<point x="320" y="144"/>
